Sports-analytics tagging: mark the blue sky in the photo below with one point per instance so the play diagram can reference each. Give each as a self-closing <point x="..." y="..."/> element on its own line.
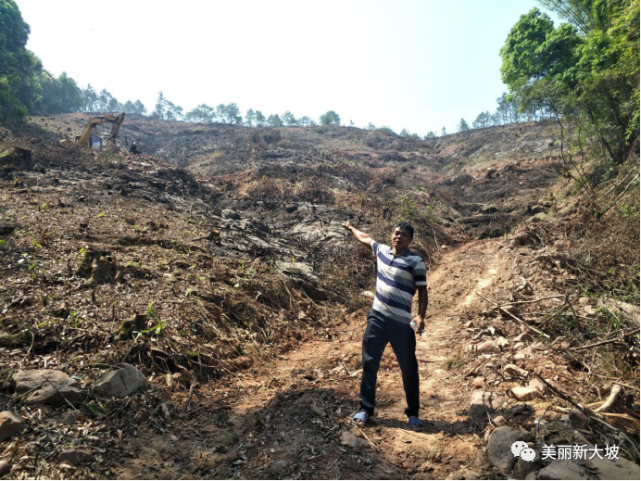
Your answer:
<point x="418" y="65"/>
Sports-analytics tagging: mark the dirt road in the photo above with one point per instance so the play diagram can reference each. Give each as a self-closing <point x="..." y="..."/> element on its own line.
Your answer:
<point x="290" y="418"/>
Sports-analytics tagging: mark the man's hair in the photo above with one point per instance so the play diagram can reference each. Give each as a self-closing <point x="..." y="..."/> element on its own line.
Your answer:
<point x="405" y="225"/>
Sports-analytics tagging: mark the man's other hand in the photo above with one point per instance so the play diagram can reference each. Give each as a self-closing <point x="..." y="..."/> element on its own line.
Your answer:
<point x="420" y="323"/>
<point x="348" y="226"/>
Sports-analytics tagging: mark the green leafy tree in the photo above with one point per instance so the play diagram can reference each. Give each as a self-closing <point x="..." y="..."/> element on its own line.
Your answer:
<point x="203" y="113"/>
<point x="19" y="68"/>
<point x="289" y="119"/>
<point x="274" y="120"/>
<point x="305" y="121"/>
<point x="330" y="118"/>
<point x="232" y="114"/>
<point x="462" y="126"/>
<point x="250" y="118"/>
<point x="140" y="108"/>
<point x="430" y="135"/>
<point x="371" y="126"/>
<point x="260" y="118"/>
<point x="443" y="131"/>
<point x="483" y="120"/>
<point x="585" y="71"/>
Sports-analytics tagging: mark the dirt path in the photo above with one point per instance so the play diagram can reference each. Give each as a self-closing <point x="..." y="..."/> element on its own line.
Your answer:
<point x="289" y="418"/>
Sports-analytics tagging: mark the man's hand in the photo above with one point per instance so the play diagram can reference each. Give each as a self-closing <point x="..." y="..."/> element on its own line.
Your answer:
<point x="348" y="226"/>
<point x="419" y="321"/>
<point x="361" y="237"/>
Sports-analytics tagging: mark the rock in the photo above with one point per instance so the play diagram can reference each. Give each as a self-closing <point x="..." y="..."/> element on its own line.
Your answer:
<point x="72" y="417"/>
<point x="368" y="294"/>
<point x="513" y="370"/>
<point x="562" y="469"/>
<point x="523" y="337"/>
<point x="10" y="424"/>
<point x="577" y="419"/>
<point x="525" y="394"/>
<point x="468" y="325"/>
<point x="500" y="421"/>
<point x="281" y="465"/>
<point x="230" y="214"/>
<point x="502" y="342"/>
<point x="488" y="346"/>
<point x="122" y="382"/>
<point x="478" y="382"/>
<point x="614" y="468"/>
<point x="519" y="356"/>
<point x="74" y="457"/>
<point x="584" y="301"/>
<point x="499" y="447"/>
<point x="523" y="468"/>
<point x="349" y="439"/>
<point x="589" y="310"/>
<point x="5" y="467"/>
<point x="519" y="345"/>
<point x="289" y="208"/>
<point x="50" y="387"/>
<point x="483" y="402"/>
<point x="538" y="385"/>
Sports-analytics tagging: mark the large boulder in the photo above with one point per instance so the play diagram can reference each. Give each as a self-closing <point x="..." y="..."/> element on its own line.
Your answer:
<point x="499" y="447"/>
<point x="46" y="386"/>
<point x="10" y="424"/>
<point x="122" y="382"/>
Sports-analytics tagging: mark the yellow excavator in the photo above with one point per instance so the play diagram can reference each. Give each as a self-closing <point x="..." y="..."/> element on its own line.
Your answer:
<point x="87" y="139"/>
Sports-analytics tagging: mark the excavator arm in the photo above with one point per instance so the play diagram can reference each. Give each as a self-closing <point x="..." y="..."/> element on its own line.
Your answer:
<point x="116" y="120"/>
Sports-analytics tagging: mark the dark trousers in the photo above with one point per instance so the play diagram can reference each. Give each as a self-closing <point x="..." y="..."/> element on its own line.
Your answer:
<point x="381" y="330"/>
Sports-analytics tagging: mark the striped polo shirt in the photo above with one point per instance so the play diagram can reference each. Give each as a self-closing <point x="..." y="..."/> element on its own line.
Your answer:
<point x="396" y="283"/>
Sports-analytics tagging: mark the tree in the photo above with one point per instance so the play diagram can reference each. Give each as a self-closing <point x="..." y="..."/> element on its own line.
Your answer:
<point x="232" y="114"/>
<point x="274" y="121"/>
<point x="305" y="120"/>
<point x="462" y="126"/>
<point x="585" y="71"/>
<point x="167" y="110"/>
<point x="483" y="120"/>
<point x="19" y="68"/>
<point x="330" y="118"/>
<point x="289" y="119"/>
<point x="249" y="118"/>
<point x="371" y="126"/>
<point x="430" y="135"/>
<point x="139" y="108"/>
<point x="90" y="99"/>
<point x="443" y="131"/>
<point x="260" y="118"/>
<point x="202" y="113"/>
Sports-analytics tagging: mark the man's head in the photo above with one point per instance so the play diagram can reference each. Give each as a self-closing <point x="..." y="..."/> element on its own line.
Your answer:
<point x="402" y="235"/>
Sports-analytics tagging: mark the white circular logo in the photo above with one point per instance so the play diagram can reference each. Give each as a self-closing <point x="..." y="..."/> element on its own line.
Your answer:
<point x="517" y="447"/>
<point x="528" y="455"/>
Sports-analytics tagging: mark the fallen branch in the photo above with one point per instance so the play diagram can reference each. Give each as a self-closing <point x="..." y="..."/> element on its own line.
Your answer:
<point x="616" y="391"/>
<point x="531" y="301"/>
<point x="609" y="341"/>
<point x="497" y="306"/>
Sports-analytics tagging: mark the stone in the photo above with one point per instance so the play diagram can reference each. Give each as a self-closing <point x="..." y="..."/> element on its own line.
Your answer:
<point x="500" y="421"/>
<point x="538" y="385"/>
<point x="499" y="447"/>
<point x="589" y="310"/>
<point x="468" y="325"/>
<point x="230" y="214"/>
<point x="564" y="470"/>
<point x="519" y="345"/>
<point x="502" y="342"/>
<point x="483" y="402"/>
<point x="368" y="294"/>
<point x="47" y="387"/>
<point x="525" y="394"/>
<point x="74" y="457"/>
<point x="584" y="301"/>
<point x="72" y="417"/>
<point x="577" y="419"/>
<point x="523" y="337"/>
<point x="614" y="468"/>
<point x="122" y="382"/>
<point x="349" y="439"/>
<point x="514" y="371"/>
<point x="281" y="465"/>
<point x="10" y="425"/>
<point x="523" y="468"/>
<point x="488" y="346"/>
<point x="478" y="382"/>
<point x="519" y="356"/>
<point x="5" y="467"/>
<point x="289" y="208"/>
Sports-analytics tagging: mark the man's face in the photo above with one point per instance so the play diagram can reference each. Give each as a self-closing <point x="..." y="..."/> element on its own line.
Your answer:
<point x="401" y="239"/>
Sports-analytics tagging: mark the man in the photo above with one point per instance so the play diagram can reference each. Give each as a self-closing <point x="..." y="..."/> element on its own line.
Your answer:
<point x="400" y="273"/>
